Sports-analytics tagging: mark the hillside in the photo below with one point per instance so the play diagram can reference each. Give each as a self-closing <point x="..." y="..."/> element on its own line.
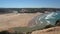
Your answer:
<point x="52" y="30"/>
